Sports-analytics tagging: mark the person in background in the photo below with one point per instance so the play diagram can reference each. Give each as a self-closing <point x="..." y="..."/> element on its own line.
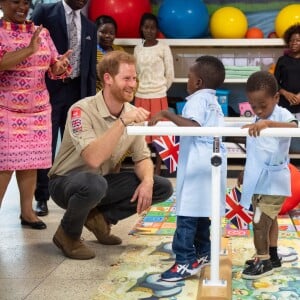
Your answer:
<point x="27" y="52"/>
<point x="191" y="242"/>
<point x="106" y="31"/>
<point x="287" y="72"/>
<point x="155" y="71"/>
<point x="84" y="180"/>
<point x="57" y="18"/>
<point x="266" y="179"/>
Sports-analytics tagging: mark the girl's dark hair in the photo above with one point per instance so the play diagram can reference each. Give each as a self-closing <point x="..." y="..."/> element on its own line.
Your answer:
<point x="104" y="19"/>
<point x="144" y="18"/>
<point x="262" y="80"/>
<point x="211" y="70"/>
<point x="294" y="29"/>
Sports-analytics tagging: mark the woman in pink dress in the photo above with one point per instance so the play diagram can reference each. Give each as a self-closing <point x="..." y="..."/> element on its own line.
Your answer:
<point x="26" y="54"/>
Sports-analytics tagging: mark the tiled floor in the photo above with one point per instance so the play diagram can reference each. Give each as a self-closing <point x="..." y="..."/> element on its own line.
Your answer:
<point x="32" y="268"/>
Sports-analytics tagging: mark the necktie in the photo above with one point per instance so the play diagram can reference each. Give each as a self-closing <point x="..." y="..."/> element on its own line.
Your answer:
<point x="74" y="45"/>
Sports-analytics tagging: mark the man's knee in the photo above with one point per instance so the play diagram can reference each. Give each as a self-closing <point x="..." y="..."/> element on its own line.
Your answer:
<point x="93" y="186"/>
<point x="163" y="189"/>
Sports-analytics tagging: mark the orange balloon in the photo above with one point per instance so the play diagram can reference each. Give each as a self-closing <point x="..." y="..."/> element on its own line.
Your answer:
<point x="272" y="68"/>
<point x="254" y="33"/>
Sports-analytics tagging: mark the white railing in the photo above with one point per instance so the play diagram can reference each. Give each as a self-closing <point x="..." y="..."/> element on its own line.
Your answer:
<point x="209" y="131"/>
<point x="168" y="128"/>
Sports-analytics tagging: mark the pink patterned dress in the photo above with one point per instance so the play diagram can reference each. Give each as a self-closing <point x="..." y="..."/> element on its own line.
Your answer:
<point x="25" y="111"/>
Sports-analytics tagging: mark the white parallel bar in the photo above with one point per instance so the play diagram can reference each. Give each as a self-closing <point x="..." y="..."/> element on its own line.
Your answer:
<point x="227" y="80"/>
<point x="169" y="128"/>
<point x="209" y="131"/>
<point x="229" y="122"/>
<point x="215" y="230"/>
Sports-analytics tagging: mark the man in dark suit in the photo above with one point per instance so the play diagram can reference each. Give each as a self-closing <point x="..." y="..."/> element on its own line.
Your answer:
<point x="57" y="18"/>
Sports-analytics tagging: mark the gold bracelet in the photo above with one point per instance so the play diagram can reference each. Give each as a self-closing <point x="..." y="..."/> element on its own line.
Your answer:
<point x="121" y="119"/>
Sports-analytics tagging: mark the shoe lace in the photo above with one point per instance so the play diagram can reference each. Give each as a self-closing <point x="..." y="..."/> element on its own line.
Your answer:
<point x="202" y="260"/>
<point x="181" y="268"/>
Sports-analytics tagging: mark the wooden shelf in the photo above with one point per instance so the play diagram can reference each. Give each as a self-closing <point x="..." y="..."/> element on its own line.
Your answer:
<point x="178" y="44"/>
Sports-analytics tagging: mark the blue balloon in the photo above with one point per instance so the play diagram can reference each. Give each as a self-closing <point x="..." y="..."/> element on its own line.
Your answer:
<point x="183" y="19"/>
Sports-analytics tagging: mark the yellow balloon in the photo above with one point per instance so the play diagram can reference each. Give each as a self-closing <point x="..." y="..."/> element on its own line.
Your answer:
<point x="288" y="16"/>
<point x="228" y="23"/>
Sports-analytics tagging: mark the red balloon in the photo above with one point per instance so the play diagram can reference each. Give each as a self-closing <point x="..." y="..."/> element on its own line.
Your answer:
<point x="292" y="201"/>
<point x="127" y="14"/>
<point x="272" y="35"/>
<point x="254" y="33"/>
<point x="160" y="35"/>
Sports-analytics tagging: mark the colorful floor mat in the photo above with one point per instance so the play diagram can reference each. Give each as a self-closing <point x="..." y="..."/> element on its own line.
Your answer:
<point x="160" y="219"/>
<point x="137" y="274"/>
<point x="295" y="217"/>
<point x="282" y="284"/>
<point x="287" y="228"/>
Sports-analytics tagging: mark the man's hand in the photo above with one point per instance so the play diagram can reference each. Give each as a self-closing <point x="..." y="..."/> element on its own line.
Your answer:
<point x="137" y="115"/>
<point x="143" y="196"/>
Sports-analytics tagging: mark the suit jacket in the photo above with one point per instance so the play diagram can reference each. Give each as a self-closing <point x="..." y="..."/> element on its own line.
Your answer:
<point x="52" y="17"/>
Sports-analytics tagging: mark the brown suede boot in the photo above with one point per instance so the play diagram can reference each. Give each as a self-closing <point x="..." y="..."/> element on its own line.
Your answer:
<point x="75" y="249"/>
<point x="96" y="223"/>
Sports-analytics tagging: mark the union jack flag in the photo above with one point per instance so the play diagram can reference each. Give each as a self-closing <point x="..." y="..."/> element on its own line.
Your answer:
<point x="168" y="149"/>
<point x="236" y="213"/>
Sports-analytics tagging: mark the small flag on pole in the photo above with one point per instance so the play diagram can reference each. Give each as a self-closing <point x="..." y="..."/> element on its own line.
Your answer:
<point x="168" y="148"/>
<point x="236" y="213"/>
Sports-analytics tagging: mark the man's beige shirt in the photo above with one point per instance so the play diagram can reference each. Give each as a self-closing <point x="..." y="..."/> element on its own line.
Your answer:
<point x="88" y="119"/>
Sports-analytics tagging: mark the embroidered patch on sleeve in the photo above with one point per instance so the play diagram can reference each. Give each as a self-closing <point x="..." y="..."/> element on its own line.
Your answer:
<point x="76" y="120"/>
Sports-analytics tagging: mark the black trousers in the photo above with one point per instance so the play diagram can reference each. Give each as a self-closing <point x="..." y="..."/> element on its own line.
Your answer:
<point x="79" y="192"/>
<point x="61" y="100"/>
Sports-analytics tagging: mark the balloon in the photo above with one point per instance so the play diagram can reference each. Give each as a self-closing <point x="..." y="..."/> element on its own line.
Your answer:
<point x="127" y="14"/>
<point x="292" y="201"/>
<point x="229" y="23"/>
<point x="288" y="16"/>
<point x="272" y="35"/>
<point x="254" y="33"/>
<point x="183" y="19"/>
<point x="160" y="35"/>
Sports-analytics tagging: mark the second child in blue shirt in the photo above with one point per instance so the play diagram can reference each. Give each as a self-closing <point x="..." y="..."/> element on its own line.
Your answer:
<point x="191" y="242"/>
<point x="267" y="180"/>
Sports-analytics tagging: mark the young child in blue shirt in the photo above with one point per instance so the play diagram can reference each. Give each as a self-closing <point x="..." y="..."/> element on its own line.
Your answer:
<point x="266" y="180"/>
<point x="191" y="242"/>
